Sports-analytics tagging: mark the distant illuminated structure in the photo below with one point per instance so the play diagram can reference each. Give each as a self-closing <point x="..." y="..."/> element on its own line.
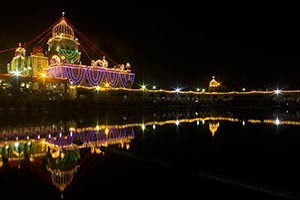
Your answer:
<point x="213" y="85"/>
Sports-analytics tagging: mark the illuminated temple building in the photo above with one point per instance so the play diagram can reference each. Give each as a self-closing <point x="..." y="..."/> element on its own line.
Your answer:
<point x="60" y="67"/>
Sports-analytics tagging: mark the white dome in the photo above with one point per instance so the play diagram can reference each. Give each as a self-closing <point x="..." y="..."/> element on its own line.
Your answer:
<point x="62" y="29"/>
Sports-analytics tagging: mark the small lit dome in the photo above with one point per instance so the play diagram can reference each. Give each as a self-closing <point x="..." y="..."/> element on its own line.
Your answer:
<point x="37" y="49"/>
<point x="213" y="82"/>
<point x="62" y="29"/>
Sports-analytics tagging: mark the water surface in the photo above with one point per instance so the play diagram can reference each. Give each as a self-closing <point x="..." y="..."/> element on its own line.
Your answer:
<point x="216" y="153"/>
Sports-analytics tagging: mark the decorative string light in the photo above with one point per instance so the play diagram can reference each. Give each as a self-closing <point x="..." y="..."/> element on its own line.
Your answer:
<point x="79" y="74"/>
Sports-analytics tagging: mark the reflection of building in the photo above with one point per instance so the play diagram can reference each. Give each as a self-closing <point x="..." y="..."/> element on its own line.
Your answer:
<point x="13" y="153"/>
<point x="59" y="148"/>
<point x="16" y="147"/>
<point x="62" y="166"/>
<point x="63" y="155"/>
<point x="213" y="127"/>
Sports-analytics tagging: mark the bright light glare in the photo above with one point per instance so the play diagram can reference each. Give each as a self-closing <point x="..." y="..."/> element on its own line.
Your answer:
<point x="17" y="73"/>
<point x="143" y="127"/>
<point x="277" y="121"/>
<point x="98" y="88"/>
<point x="277" y="91"/>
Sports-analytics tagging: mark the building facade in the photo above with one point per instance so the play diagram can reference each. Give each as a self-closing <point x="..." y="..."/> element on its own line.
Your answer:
<point x="60" y="66"/>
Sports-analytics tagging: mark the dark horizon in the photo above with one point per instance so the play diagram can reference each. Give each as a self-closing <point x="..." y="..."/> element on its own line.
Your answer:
<point x="178" y="45"/>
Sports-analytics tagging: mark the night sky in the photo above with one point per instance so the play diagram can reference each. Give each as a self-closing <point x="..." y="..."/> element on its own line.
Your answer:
<point x="178" y="44"/>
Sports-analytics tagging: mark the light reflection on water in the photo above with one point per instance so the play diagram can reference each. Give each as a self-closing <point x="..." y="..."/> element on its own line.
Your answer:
<point x="258" y="147"/>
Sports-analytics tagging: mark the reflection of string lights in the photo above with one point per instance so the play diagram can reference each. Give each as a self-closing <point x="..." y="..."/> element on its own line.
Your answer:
<point x="108" y="134"/>
<point x="15" y="140"/>
<point x="59" y="142"/>
<point x="143" y="126"/>
<point x="43" y="131"/>
<point x="153" y="126"/>
<point x="64" y="178"/>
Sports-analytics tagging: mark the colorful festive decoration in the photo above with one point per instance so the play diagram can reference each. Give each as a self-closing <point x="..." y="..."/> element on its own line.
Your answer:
<point x="62" y="61"/>
<point x="63" y="46"/>
<point x="92" y="76"/>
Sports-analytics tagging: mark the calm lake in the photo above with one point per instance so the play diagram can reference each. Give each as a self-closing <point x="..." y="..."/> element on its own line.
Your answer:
<point x="197" y="153"/>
